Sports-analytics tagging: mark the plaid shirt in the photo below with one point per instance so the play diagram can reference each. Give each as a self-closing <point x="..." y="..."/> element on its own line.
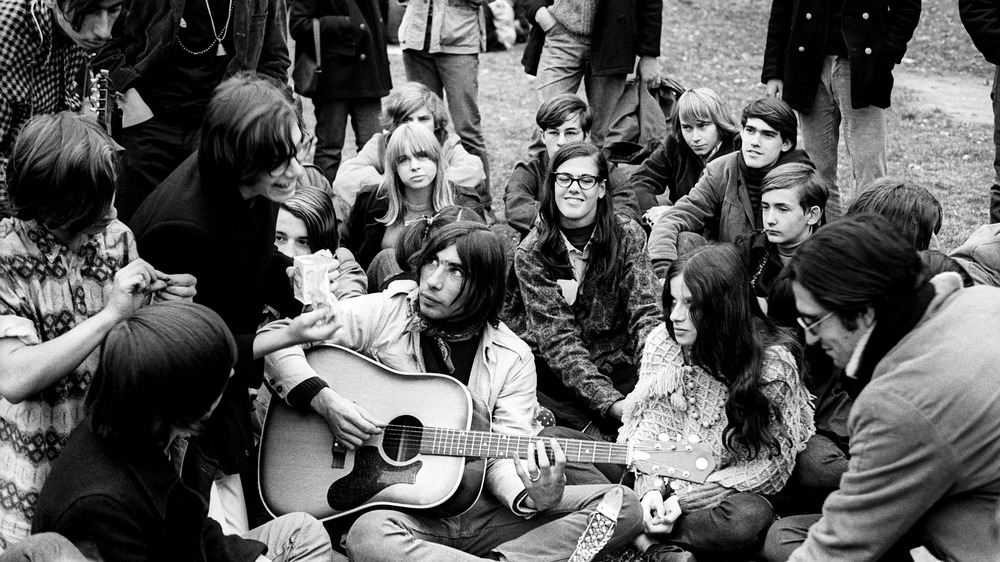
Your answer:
<point x="37" y="72"/>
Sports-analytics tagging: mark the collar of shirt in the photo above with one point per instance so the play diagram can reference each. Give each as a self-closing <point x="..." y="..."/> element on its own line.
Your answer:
<point x="851" y="369"/>
<point x="578" y="259"/>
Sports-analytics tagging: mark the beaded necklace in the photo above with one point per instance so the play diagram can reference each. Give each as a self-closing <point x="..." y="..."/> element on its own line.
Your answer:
<point x="217" y="37"/>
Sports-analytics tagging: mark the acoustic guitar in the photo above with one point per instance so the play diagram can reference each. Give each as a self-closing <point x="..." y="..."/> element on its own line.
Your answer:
<point x="430" y="457"/>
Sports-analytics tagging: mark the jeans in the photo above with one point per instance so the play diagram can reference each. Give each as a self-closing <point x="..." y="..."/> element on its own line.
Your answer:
<point x="456" y="76"/>
<point x="817" y="473"/>
<point x="295" y="537"/>
<point x="735" y="526"/>
<point x="331" y="128"/>
<point x="995" y="189"/>
<point x="864" y="133"/>
<point x="489" y="531"/>
<point x="564" y="62"/>
<point x="788" y="533"/>
<point x="153" y="149"/>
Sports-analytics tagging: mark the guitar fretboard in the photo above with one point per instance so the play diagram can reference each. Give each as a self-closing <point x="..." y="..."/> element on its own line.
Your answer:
<point x="483" y="444"/>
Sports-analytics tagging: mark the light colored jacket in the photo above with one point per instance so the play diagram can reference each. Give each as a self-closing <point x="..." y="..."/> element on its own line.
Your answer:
<point x="383" y="326"/>
<point x="458" y="27"/>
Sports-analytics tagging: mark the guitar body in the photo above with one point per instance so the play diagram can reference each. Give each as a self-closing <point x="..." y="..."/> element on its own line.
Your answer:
<point x="301" y="469"/>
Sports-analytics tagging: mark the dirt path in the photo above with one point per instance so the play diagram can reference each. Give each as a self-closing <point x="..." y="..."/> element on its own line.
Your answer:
<point x="964" y="98"/>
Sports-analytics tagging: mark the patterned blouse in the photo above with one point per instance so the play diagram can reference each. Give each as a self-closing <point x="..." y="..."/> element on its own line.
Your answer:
<point x="45" y="291"/>
<point x="686" y="403"/>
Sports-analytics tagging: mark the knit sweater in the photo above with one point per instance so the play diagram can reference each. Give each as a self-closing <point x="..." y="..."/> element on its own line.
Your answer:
<point x="681" y="400"/>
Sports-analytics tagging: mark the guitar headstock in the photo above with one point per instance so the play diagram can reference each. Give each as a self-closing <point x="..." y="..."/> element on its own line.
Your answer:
<point x="102" y="99"/>
<point x="684" y="461"/>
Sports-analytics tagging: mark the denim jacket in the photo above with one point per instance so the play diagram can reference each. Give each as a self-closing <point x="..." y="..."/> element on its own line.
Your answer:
<point x="147" y="29"/>
<point x="383" y="326"/>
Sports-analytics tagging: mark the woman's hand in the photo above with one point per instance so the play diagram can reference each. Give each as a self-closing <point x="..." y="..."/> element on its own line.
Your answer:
<point x="544" y="481"/>
<point x="659" y="515"/>
<point x="701" y="496"/>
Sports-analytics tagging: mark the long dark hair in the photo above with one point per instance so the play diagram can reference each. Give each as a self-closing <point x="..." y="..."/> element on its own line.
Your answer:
<point x="606" y="242"/>
<point x="733" y="336"/>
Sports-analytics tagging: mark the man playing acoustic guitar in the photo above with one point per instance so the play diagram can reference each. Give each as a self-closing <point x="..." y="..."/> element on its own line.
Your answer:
<point x="450" y="325"/>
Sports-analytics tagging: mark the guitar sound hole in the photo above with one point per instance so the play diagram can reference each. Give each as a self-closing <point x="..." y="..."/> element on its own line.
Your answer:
<point x="401" y="441"/>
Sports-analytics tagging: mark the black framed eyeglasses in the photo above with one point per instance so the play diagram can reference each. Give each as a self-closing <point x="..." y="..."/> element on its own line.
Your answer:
<point x="586" y="182"/>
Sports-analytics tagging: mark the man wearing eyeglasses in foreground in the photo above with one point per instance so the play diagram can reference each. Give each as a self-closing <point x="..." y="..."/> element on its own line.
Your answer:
<point x="563" y="118"/>
<point x="725" y="203"/>
<point x="925" y="429"/>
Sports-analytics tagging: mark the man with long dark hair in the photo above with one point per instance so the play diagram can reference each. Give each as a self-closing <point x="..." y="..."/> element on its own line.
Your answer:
<point x="925" y="429"/>
<point x="450" y="324"/>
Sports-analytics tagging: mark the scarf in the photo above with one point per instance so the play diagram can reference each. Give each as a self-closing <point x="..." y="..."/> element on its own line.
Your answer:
<point x="896" y="318"/>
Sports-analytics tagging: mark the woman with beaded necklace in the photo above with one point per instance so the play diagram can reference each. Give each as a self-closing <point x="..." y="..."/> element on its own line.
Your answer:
<point x="717" y="371"/>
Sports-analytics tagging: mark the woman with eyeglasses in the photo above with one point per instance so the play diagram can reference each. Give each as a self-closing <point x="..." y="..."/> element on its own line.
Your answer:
<point x="582" y="293"/>
<point x="717" y="372"/>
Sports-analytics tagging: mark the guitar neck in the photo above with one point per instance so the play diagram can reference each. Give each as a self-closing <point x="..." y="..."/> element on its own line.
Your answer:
<point x="482" y="444"/>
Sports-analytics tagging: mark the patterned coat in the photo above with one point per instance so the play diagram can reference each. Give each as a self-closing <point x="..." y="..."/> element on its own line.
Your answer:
<point x="45" y="291"/>
<point x="587" y="343"/>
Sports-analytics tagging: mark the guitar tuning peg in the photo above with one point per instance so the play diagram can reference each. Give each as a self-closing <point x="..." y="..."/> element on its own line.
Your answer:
<point x="663" y="437"/>
<point x="694" y="438"/>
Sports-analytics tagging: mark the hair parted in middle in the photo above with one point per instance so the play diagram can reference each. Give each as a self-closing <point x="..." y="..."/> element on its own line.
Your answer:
<point x="733" y="337"/>
<point x="410" y="139"/>
<point x="606" y="240"/>
<point x="703" y="105"/>
<point x="410" y="97"/>
<point x="415" y="234"/>
<point x="484" y="262"/>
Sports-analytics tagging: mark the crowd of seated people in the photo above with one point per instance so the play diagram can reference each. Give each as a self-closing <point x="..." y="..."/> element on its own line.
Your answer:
<point x="837" y="370"/>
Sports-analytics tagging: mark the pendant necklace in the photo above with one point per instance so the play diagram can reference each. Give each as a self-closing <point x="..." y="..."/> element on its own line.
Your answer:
<point x="217" y="37"/>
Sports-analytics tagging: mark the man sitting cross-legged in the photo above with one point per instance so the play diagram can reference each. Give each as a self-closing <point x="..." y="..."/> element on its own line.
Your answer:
<point x="563" y="119"/>
<point x="449" y="324"/>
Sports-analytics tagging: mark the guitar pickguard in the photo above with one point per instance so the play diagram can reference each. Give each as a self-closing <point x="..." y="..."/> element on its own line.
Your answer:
<point x="371" y="475"/>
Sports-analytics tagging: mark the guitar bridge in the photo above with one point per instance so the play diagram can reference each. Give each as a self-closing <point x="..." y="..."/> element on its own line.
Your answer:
<point x="338" y="456"/>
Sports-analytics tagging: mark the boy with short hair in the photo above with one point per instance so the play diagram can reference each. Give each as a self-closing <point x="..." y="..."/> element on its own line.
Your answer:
<point x="563" y="119"/>
<point x="726" y="201"/>
<point x="793" y="205"/>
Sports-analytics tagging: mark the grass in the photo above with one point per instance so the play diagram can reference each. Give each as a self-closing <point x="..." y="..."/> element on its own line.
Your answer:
<point x="719" y="44"/>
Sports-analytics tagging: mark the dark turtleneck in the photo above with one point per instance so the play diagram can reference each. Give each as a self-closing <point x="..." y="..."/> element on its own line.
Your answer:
<point x="579" y="237"/>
